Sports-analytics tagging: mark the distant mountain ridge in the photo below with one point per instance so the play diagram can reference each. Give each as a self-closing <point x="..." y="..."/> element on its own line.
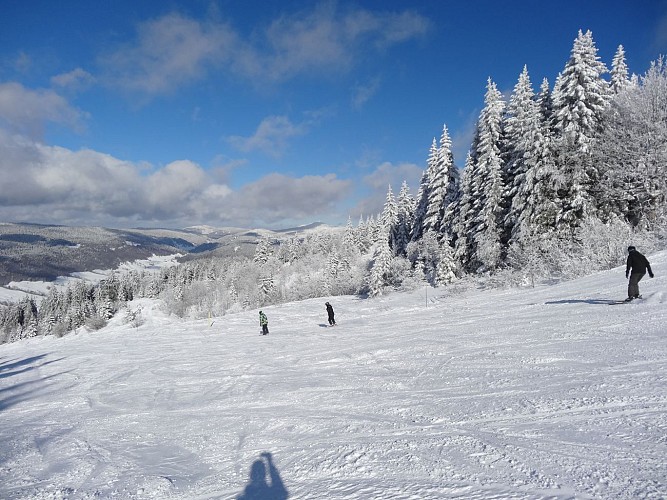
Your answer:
<point x="41" y="252"/>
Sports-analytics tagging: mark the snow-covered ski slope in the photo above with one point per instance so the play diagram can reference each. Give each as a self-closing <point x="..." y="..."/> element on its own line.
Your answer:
<point x="485" y="394"/>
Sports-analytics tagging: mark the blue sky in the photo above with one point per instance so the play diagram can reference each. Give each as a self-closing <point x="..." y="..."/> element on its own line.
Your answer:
<point x="263" y="114"/>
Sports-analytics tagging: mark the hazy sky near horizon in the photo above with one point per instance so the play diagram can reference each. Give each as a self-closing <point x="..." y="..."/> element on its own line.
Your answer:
<point x="264" y="114"/>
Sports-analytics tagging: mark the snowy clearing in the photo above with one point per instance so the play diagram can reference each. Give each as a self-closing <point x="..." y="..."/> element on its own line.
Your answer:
<point x="498" y="394"/>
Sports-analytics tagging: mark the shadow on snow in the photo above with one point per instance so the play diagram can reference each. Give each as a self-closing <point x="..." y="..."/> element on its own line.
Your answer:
<point x="605" y="302"/>
<point x="23" y="391"/>
<point x="258" y="488"/>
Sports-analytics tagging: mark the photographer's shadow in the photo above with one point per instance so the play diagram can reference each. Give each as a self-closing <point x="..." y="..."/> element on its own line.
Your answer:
<point x="258" y="488"/>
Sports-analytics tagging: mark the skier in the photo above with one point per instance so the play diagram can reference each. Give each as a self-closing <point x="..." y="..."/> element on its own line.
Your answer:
<point x="264" y="323"/>
<point x="638" y="264"/>
<point x="330" y="312"/>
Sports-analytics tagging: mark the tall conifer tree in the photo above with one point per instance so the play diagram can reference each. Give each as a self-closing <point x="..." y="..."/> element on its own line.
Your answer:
<point x="580" y="99"/>
<point x="488" y="182"/>
<point x="620" y="79"/>
<point x="406" y="208"/>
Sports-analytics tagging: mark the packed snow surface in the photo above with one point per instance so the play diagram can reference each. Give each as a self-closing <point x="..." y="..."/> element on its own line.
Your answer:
<point x="546" y="392"/>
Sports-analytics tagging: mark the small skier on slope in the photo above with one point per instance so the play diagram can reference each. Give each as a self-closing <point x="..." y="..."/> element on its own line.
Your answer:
<point x="264" y="323"/>
<point x="330" y="312"/>
<point x="638" y="264"/>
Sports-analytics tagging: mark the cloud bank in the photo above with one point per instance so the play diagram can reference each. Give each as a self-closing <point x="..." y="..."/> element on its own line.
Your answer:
<point x="52" y="184"/>
<point x="25" y="111"/>
<point x="174" y="50"/>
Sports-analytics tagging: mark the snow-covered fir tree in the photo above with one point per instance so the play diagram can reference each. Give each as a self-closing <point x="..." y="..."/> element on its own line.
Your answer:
<point x="363" y="236"/>
<point x="488" y="187"/>
<point x="620" y="78"/>
<point x="522" y="124"/>
<point x="530" y="167"/>
<point x="424" y="193"/>
<point x="445" y="271"/>
<point x="389" y="218"/>
<point x="405" y="208"/>
<point x="464" y="215"/>
<point x="443" y="187"/>
<point x="262" y="251"/>
<point x="580" y="99"/>
<point x="545" y="102"/>
<point x="381" y="265"/>
<point x="350" y="236"/>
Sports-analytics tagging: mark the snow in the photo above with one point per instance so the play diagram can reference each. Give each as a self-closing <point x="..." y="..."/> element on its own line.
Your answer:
<point x="540" y="393"/>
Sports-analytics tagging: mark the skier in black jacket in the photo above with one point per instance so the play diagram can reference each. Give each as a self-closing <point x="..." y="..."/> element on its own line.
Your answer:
<point x="330" y="312"/>
<point x="638" y="264"/>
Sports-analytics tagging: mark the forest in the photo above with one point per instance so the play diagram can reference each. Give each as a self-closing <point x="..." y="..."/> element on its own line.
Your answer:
<point x="557" y="183"/>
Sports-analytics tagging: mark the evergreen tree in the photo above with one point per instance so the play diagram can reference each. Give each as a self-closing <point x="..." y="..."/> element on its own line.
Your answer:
<point x="537" y="205"/>
<point x="262" y="251"/>
<point x="405" y="208"/>
<point x="381" y="267"/>
<point x="105" y="307"/>
<point x="389" y="218"/>
<point x="349" y="236"/>
<point x="522" y="124"/>
<point x="266" y="287"/>
<point x="363" y="235"/>
<point x="424" y="193"/>
<point x="580" y="99"/>
<point x="373" y="229"/>
<point x="488" y="183"/>
<point x="443" y="187"/>
<point x="545" y="102"/>
<point x="446" y="265"/>
<point x="530" y="166"/>
<point x="464" y="216"/>
<point x="620" y="79"/>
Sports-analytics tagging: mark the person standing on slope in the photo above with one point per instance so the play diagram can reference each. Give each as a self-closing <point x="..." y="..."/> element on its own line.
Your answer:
<point x="636" y="268"/>
<point x="330" y="312"/>
<point x="264" y="323"/>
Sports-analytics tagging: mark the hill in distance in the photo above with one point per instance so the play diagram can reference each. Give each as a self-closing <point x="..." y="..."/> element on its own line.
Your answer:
<point x="37" y="252"/>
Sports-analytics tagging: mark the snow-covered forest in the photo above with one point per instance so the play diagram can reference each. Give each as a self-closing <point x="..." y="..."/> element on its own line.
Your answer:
<point x="557" y="182"/>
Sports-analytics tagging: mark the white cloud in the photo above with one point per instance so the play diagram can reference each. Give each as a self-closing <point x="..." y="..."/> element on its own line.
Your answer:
<point x="660" y="42"/>
<point x="169" y="52"/>
<point x="399" y="28"/>
<point x="326" y="40"/>
<point x="363" y="93"/>
<point x="25" y="111"/>
<point x="22" y="63"/>
<point x="174" y="50"/>
<point x="56" y="185"/>
<point x="277" y="197"/>
<point x="271" y="136"/>
<point x="76" y="79"/>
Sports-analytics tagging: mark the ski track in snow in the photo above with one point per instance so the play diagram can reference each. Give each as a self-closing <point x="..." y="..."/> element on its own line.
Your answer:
<point x="541" y="393"/>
